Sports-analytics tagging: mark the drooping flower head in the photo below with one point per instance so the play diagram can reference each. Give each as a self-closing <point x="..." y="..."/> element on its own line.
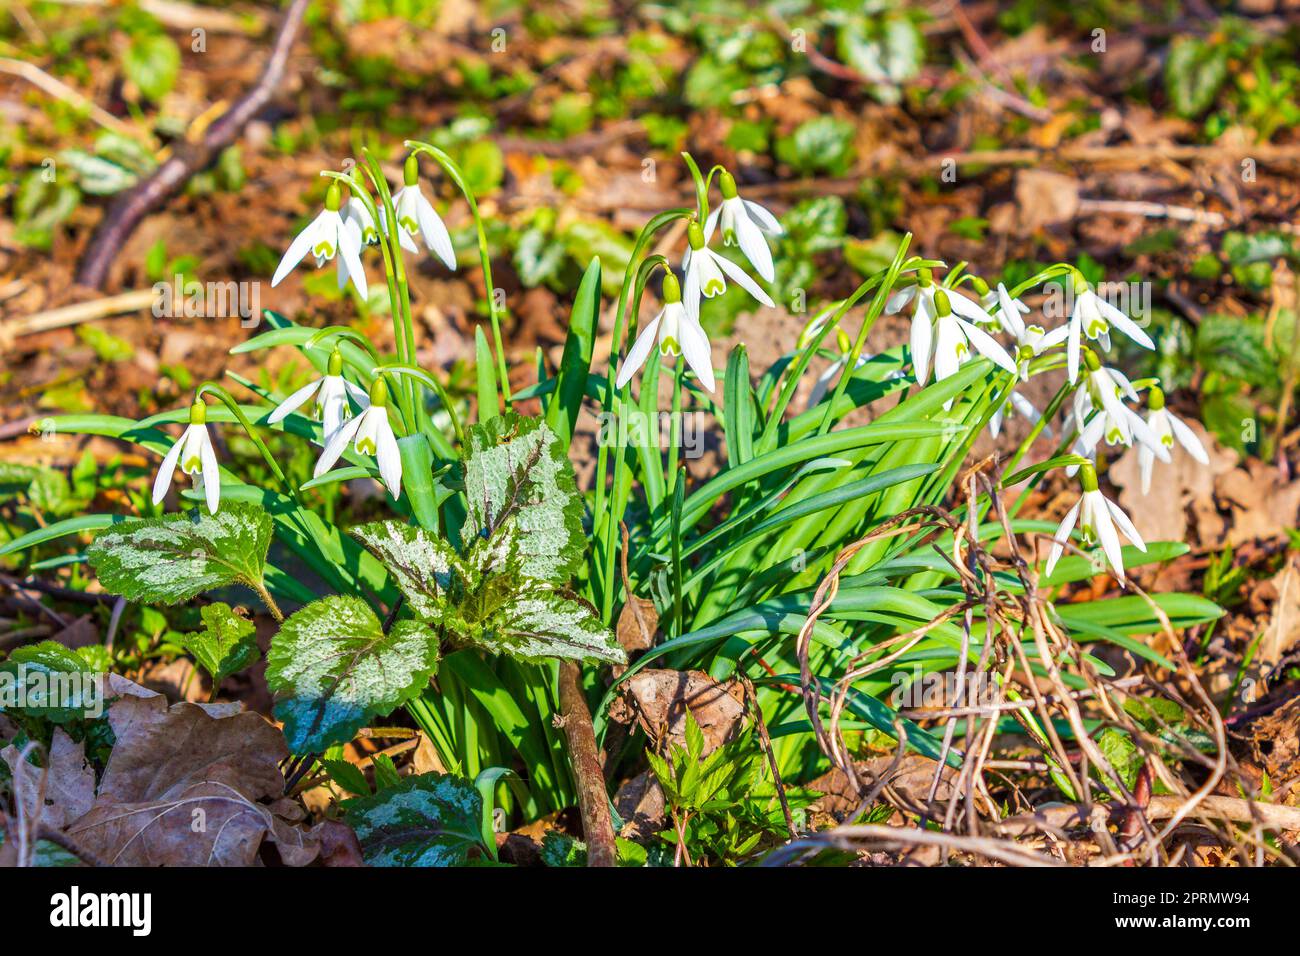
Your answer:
<point x="417" y="219"/>
<point x="371" y="434"/>
<point x="707" y="273"/>
<point x="1166" y="427"/>
<point x="331" y="393"/>
<point x="194" y="453"/>
<point x="327" y="237"/>
<point x="1097" y="516"/>
<point x="677" y="334"/>
<point x="744" y="224"/>
<point x="1093" y="316"/>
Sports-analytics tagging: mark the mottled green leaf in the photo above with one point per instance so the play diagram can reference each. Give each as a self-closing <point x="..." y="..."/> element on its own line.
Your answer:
<point x="335" y="669"/>
<point x="421" y="563"/>
<point x="516" y="471"/>
<point x="170" y="559"/>
<point x="427" y="820"/>
<point x="226" y="645"/>
<point x="531" y="621"/>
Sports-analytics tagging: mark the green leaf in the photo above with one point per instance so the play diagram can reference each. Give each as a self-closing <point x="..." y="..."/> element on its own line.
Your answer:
<point x="336" y="669"/>
<point x="486" y="377"/>
<point x="821" y="145"/>
<point x="575" y="363"/>
<point x="1194" y="71"/>
<point x="171" y="559"/>
<point x="226" y="645"/>
<point x="152" y="61"/>
<point x="421" y="563"/>
<point x="516" y="471"/>
<point x="55" y="698"/>
<point x="531" y="621"/>
<point x="347" y="775"/>
<point x="427" y="820"/>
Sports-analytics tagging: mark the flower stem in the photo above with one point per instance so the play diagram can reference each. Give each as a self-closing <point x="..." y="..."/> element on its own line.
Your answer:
<point x="485" y="260"/>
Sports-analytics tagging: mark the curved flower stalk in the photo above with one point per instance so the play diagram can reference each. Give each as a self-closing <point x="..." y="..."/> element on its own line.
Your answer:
<point x="707" y="272"/>
<point x="328" y="237"/>
<point x="1097" y="516"/>
<point x="417" y="219"/>
<point x="194" y="453"/>
<point x="1093" y="316"/>
<point x="744" y="224"/>
<point x="677" y="334"/>
<point x="331" y="393"/>
<point x="370" y="434"/>
<point x="1165" y="426"/>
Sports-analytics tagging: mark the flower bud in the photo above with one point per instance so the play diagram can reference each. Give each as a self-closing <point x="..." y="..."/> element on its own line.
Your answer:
<point x="695" y="236"/>
<point x="1156" y="398"/>
<point x="335" y="366"/>
<point x="727" y="183"/>
<point x="199" y="412"/>
<point x="411" y="171"/>
<point x="379" y="392"/>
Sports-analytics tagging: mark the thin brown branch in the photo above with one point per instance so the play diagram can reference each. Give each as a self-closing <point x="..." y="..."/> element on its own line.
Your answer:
<point x="593" y="799"/>
<point x="132" y="206"/>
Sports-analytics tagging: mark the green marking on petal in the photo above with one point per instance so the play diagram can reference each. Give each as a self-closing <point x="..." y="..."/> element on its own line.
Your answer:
<point x="365" y="446"/>
<point x="670" y="346"/>
<point x="715" y="287"/>
<point x="323" y="250"/>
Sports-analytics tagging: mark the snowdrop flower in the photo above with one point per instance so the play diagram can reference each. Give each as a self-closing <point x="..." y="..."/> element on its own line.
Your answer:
<point x="194" y="453"/>
<point x="416" y="217"/>
<point x="707" y="272"/>
<point x="325" y="237"/>
<point x="1098" y="516"/>
<point x="959" y="333"/>
<point x="1166" y="426"/>
<point x="1093" y="316"/>
<point x="743" y="224"/>
<point x="1031" y="340"/>
<point x="955" y="337"/>
<point x="1115" y="422"/>
<point x="677" y="334"/>
<point x="331" y="394"/>
<point x="357" y="218"/>
<point x="370" y="434"/>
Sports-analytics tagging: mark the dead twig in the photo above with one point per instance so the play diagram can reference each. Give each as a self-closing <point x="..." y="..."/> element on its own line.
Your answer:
<point x="593" y="799"/>
<point x="132" y="206"/>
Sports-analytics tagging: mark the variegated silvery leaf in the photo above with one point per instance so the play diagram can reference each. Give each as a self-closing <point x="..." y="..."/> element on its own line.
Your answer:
<point x="423" y="565"/>
<point x="171" y="559"/>
<point x="531" y="620"/>
<point x="432" y="819"/>
<point x="334" y="669"/>
<point x="516" y="471"/>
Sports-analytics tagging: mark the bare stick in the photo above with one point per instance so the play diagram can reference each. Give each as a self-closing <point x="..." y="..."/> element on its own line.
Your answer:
<point x="34" y="75"/>
<point x="593" y="800"/>
<point x="132" y="206"/>
<point x="74" y="314"/>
